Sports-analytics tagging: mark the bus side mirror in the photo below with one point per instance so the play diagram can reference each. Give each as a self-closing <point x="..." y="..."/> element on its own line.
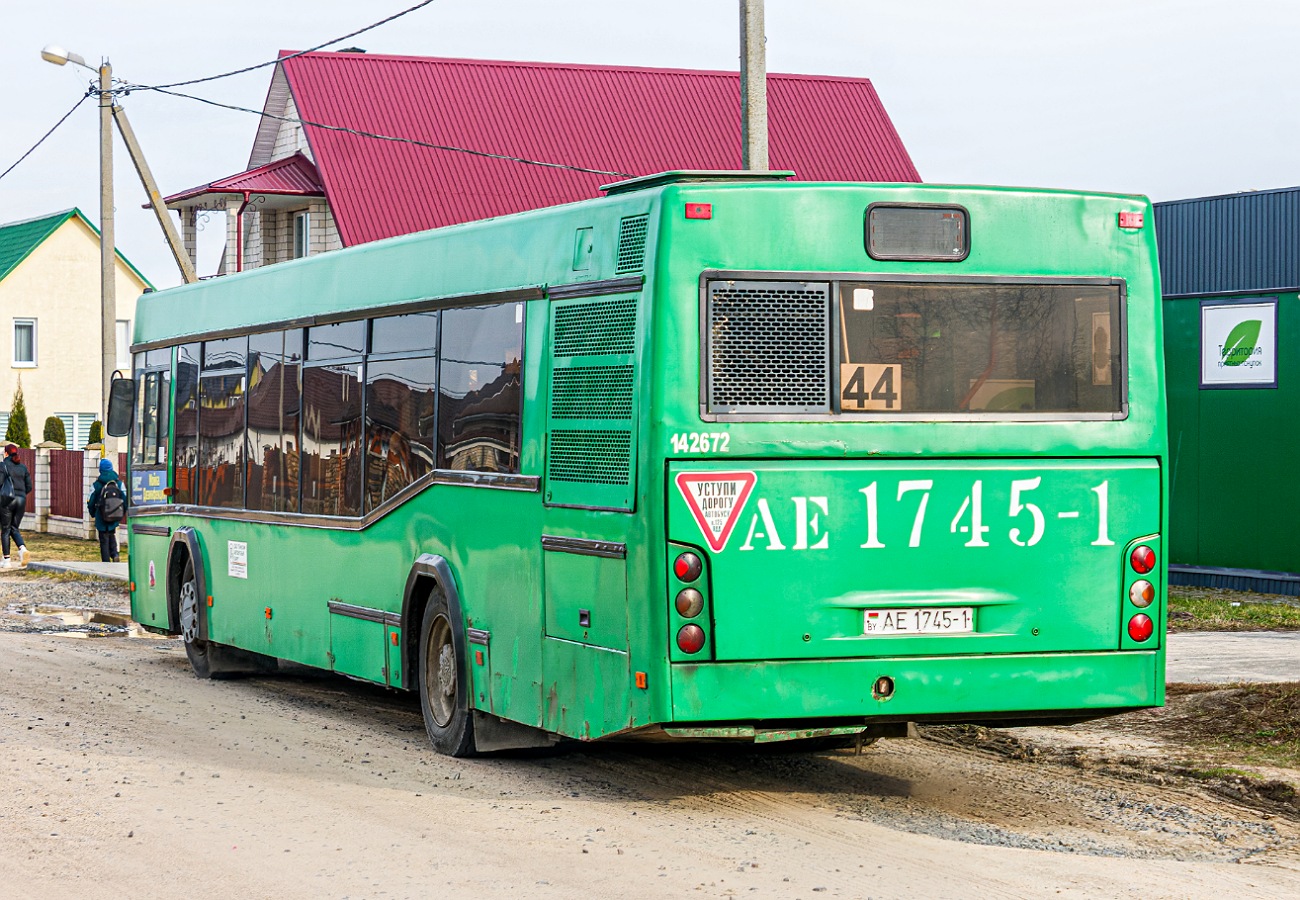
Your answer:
<point x="121" y="397"/>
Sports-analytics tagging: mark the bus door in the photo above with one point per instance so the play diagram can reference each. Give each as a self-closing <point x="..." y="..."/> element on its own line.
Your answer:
<point x="147" y="478"/>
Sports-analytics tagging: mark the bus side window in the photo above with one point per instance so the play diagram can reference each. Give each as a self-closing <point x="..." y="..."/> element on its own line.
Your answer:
<point x="149" y="430"/>
<point x="479" y="381"/>
<point x="185" y="421"/>
<point x="164" y="414"/>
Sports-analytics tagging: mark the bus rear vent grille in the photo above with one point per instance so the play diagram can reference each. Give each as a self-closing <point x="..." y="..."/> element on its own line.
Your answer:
<point x="594" y="329"/>
<point x="595" y="392"/>
<point x="631" y="244"/>
<point x="590" y="457"/>
<point x="769" y="346"/>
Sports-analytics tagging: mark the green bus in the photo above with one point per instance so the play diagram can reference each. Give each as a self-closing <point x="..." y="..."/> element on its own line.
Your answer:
<point x="714" y="456"/>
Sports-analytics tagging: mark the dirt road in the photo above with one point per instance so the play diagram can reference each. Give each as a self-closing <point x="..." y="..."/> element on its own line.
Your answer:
<point x="130" y="778"/>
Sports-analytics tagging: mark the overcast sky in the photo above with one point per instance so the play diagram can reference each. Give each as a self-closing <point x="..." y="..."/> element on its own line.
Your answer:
<point x="1170" y="99"/>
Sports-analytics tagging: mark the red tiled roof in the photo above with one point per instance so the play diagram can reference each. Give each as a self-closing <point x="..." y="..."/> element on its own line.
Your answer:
<point x="629" y="121"/>
<point x="294" y="175"/>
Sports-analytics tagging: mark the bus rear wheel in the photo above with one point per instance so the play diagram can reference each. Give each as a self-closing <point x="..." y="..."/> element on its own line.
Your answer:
<point x="442" y="683"/>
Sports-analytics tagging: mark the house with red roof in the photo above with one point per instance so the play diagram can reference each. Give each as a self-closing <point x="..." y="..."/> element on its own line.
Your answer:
<point x="354" y="147"/>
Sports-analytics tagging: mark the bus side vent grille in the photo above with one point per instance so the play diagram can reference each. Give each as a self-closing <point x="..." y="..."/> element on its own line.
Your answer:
<point x="769" y="347"/>
<point x="631" y="244"/>
<point x="593" y="329"/>
<point x="595" y="392"/>
<point x="590" y="457"/>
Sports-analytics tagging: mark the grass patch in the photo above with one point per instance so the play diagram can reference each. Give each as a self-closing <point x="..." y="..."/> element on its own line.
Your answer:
<point x="1210" y="609"/>
<point x="1251" y="723"/>
<point x="57" y="548"/>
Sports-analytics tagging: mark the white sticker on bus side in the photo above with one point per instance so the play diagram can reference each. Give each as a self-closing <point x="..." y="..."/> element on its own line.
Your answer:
<point x="237" y="559"/>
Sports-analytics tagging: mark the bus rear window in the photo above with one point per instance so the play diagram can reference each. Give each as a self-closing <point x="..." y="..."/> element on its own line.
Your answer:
<point x="979" y="348"/>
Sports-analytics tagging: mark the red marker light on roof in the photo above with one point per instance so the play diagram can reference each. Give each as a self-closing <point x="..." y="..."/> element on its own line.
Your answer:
<point x="1130" y="220"/>
<point x="699" y="210"/>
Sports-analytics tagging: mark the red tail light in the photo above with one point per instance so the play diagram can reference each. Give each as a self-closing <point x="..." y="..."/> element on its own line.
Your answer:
<point x="687" y="567"/>
<point x="690" y="638"/>
<point x="1143" y="559"/>
<point x="1140" y="627"/>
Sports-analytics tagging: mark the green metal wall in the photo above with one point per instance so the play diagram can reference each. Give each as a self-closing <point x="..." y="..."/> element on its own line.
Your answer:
<point x="1234" y="453"/>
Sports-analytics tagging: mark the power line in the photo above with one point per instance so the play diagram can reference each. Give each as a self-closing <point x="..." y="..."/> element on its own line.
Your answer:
<point x="47" y="134"/>
<point x="393" y="138"/>
<point x="263" y="65"/>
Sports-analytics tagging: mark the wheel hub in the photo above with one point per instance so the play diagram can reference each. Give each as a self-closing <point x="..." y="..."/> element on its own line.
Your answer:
<point x="189" y="612"/>
<point x="447" y="670"/>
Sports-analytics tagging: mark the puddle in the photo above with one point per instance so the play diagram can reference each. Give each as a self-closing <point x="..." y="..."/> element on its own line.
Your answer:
<point x="77" y="623"/>
<point x="80" y="616"/>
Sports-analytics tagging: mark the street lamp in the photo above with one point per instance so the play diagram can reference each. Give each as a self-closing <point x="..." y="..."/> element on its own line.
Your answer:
<point x="107" y="245"/>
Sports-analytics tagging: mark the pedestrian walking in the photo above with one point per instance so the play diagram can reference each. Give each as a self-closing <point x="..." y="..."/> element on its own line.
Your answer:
<point x="107" y="504"/>
<point x="14" y="497"/>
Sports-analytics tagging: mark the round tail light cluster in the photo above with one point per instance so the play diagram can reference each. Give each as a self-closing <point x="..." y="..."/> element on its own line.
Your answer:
<point x="689" y="602"/>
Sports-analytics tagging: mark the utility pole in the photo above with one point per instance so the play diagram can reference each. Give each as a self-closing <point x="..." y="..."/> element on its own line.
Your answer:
<point x="753" y="87"/>
<point x="108" y="113"/>
<point x="107" y="252"/>
<point x="173" y="236"/>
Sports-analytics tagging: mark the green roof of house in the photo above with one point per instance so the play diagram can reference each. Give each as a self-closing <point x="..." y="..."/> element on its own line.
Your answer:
<point x="19" y="239"/>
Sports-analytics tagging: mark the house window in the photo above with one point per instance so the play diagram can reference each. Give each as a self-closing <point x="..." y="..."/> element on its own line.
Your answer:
<point x="301" y="234"/>
<point x="25" y="342"/>
<point x="123" y="345"/>
<point x="76" y="427"/>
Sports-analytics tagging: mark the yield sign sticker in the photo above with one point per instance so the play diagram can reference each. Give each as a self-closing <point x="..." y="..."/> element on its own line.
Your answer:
<point x="715" y="500"/>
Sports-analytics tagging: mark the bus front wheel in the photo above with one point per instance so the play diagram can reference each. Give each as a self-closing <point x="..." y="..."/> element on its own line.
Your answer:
<point x="195" y="649"/>
<point x="442" y="683"/>
<point x="209" y="660"/>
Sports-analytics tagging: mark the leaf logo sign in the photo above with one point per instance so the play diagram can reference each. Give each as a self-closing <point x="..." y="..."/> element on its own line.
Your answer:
<point x="1240" y="345"/>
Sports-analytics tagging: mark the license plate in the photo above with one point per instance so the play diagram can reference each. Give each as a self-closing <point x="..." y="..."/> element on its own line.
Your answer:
<point x="921" y="620"/>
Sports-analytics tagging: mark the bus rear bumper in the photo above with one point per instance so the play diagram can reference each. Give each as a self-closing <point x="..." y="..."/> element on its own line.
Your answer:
<point x="961" y="688"/>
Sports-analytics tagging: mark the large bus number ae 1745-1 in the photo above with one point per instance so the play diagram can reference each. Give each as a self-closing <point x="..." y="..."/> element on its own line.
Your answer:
<point x="1030" y="521"/>
<point x="701" y="442"/>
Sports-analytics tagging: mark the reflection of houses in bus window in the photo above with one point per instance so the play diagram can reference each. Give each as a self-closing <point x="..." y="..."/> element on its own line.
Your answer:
<point x="401" y="396"/>
<point x="331" y="440"/>
<point x="481" y="430"/>
<point x="274" y="403"/>
<point x="479" y="410"/>
<point x="221" y="396"/>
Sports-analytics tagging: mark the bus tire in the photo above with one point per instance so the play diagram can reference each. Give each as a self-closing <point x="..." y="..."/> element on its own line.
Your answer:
<point x="443" y="689"/>
<point x="190" y="610"/>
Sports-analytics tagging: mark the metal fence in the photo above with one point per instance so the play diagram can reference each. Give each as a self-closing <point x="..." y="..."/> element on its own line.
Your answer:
<point x="27" y="457"/>
<point x="67" y="489"/>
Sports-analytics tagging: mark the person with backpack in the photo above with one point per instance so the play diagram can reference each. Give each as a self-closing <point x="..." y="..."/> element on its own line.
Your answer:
<point x="107" y="504"/>
<point x="15" y="485"/>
